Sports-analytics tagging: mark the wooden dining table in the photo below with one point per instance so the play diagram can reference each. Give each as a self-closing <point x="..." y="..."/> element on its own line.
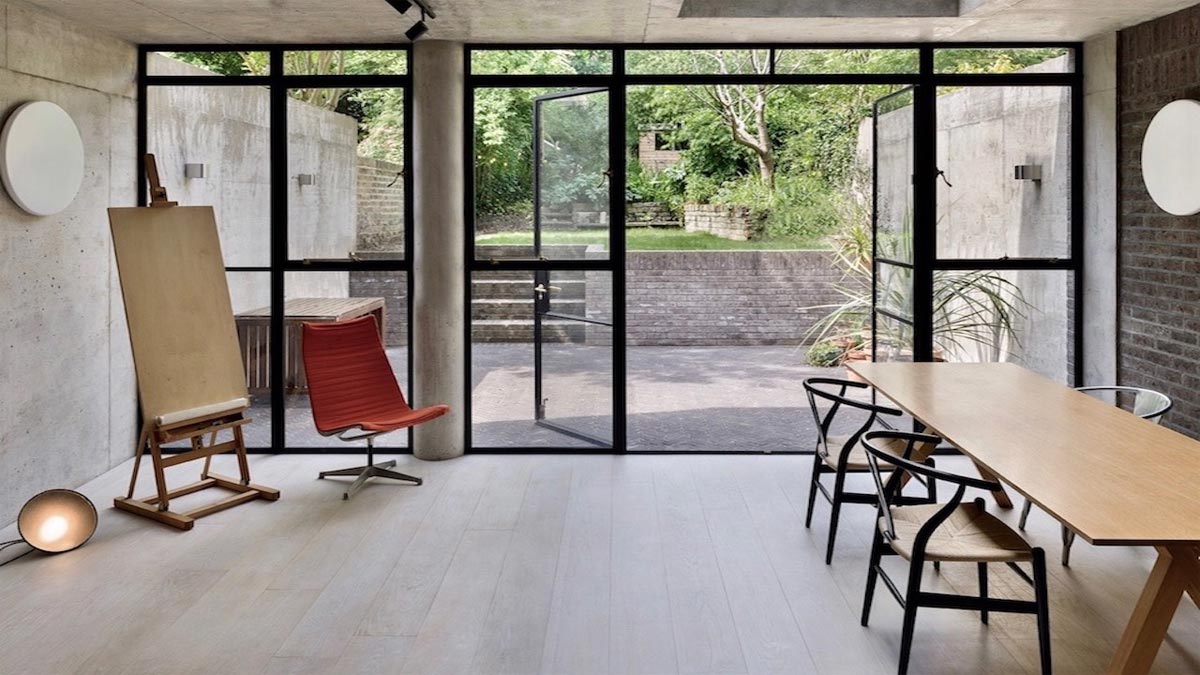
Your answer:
<point x="1110" y="476"/>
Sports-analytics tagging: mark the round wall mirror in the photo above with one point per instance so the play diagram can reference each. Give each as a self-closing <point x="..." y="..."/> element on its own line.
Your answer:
<point x="41" y="158"/>
<point x="1171" y="158"/>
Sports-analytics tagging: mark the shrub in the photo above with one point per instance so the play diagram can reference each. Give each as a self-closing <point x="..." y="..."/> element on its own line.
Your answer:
<point x="825" y="354"/>
<point x="798" y="207"/>
<point x="664" y="187"/>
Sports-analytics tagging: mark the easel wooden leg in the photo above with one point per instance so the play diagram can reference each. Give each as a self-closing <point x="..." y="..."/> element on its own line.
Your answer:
<point x="1001" y="496"/>
<point x="137" y="459"/>
<point x="212" y="440"/>
<point x="1176" y="571"/>
<point x="160" y="475"/>
<point x="243" y="464"/>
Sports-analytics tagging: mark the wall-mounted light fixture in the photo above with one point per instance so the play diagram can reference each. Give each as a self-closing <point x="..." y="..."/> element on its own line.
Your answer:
<point x="55" y="521"/>
<point x="193" y="171"/>
<point x="306" y="179"/>
<point x="1028" y="172"/>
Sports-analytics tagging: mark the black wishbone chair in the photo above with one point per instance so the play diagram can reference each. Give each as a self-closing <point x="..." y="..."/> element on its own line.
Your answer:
<point x="950" y="532"/>
<point x="842" y="455"/>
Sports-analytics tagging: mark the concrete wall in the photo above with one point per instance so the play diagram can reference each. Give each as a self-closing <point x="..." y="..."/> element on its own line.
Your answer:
<point x="983" y="132"/>
<point x="228" y="130"/>
<point x="1100" y="210"/>
<point x="68" y="397"/>
<point x="1159" y="254"/>
<point x="726" y="297"/>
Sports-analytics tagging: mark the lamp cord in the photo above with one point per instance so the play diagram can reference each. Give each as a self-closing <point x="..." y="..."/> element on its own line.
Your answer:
<point x="14" y="542"/>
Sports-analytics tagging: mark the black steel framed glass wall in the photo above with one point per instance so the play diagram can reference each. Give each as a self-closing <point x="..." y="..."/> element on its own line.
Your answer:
<point x="303" y="151"/>
<point x="605" y="312"/>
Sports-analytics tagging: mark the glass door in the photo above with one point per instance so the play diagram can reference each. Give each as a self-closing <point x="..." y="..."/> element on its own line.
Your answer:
<point x="572" y="312"/>
<point x="892" y="321"/>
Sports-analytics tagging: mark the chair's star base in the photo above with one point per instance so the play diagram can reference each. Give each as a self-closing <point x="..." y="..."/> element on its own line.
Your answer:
<point x="381" y="470"/>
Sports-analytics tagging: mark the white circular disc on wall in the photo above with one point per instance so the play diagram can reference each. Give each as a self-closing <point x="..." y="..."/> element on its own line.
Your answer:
<point x="1171" y="158"/>
<point x="41" y="158"/>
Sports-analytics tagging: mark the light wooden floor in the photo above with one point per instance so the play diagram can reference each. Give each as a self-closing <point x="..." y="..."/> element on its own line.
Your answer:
<point x="527" y="564"/>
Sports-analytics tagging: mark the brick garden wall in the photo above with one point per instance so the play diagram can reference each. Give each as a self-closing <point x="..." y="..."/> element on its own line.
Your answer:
<point x="1159" y="254"/>
<point x="380" y="192"/>
<point x="726" y="297"/>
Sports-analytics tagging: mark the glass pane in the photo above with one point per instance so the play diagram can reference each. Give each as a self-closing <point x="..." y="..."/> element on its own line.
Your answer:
<point x="346" y="62"/>
<point x="893" y="176"/>
<point x="208" y="63"/>
<point x="893" y="339"/>
<point x="854" y="61"/>
<point x="1004" y="60"/>
<point x="541" y="61"/>
<point x="331" y="296"/>
<point x="569" y="174"/>
<point x="1025" y="317"/>
<point x="1006" y="154"/>
<point x="895" y="291"/>
<point x="697" y="61"/>
<point x="576" y="360"/>
<point x="250" y="293"/>
<point x="212" y="145"/>
<point x="345" y="173"/>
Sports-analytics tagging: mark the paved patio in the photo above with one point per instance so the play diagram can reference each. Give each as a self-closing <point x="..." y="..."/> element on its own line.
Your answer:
<point x="679" y="398"/>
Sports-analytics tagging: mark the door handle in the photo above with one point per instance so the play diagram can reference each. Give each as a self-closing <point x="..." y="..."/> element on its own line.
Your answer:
<point x="542" y="289"/>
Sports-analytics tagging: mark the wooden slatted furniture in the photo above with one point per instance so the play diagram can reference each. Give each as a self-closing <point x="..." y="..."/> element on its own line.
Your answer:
<point x="951" y="532"/>
<point x="254" y="336"/>
<point x="1071" y="455"/>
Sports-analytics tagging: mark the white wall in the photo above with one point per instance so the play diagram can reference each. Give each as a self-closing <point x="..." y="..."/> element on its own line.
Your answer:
<point x="67" y="392"/>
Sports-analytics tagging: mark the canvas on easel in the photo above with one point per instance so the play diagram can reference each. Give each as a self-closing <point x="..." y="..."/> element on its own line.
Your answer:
<point x="191" y="384"/>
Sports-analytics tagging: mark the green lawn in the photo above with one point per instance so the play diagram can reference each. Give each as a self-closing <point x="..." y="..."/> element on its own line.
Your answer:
<point x="655" y="239"/>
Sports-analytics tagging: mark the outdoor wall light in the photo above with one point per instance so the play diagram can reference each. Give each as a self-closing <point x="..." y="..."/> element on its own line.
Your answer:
<point x="1028" y="172"/>
<point x="55" y="521"/>
<point x="193" y="170"/>
<point x="306" y="179"/>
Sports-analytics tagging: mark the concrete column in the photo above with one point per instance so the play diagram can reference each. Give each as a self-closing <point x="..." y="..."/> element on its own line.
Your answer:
<point x="1100" y="210"/>
<point x="439" y="344"/>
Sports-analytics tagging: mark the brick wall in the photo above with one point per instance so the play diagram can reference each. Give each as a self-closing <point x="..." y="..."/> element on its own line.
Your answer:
<point x="380" y="206"/>
<point x="1159" y="254"/>
<point x="726" y="297"/>
<point x="651" y="157"/>
<point x="392" y="287"/>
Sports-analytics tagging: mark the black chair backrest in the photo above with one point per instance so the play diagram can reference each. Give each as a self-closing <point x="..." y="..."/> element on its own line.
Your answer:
<point x="881" y="447"/>
<point x="833" y="391"/>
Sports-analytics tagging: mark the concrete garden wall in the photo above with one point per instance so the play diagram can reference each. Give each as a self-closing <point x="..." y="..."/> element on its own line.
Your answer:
<point x="983" y="133"/>
<point x="68" y="398"/>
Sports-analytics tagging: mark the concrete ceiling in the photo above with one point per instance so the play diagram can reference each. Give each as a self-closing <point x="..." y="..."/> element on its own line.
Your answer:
<point x="543" y="21"/>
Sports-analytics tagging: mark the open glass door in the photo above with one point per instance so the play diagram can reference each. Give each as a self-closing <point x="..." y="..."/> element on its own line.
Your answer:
<point x="573" y="326"/>
<point x="892" y="228"/>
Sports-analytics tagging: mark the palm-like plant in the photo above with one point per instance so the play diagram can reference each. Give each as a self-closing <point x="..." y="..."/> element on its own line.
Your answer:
<point x="976" y="310"/>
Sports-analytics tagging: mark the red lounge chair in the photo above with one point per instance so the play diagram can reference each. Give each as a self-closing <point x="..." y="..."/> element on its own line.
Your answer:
<point x="354" y="392"/>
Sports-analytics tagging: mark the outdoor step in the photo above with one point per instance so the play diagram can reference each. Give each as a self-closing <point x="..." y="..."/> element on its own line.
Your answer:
<point x="521" y="309"/>
<point x="522" y="289"/>
<point x="501" y="330"/>
<point x="552" y="251"/>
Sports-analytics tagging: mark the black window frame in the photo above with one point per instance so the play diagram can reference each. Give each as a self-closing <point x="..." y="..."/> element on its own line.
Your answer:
<point x="925" y="262"/>
<point x="278" y="83"/>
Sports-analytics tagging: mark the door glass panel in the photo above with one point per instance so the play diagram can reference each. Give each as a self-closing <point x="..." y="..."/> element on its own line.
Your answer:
<point x="1019" y="316"/>
<point x="573" y="341"/>
<point x="541" y="379"/>
<point x="541" y="174"/>
<point x="1006" y="157"/>
<point x="893" y="143"/>
<point x="346" y="174"/>
<point x="895" y="289"/>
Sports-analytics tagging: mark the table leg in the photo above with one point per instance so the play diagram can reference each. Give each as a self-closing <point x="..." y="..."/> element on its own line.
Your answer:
<point x="1001" y="497"/>
<point x="1174" y="573"/>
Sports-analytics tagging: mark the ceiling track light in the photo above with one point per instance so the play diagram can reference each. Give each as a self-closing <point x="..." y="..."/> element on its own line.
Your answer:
<point x="419" y="28"/>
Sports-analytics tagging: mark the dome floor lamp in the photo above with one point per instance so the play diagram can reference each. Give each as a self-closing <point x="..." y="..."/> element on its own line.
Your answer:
<point x="54" y="521"/>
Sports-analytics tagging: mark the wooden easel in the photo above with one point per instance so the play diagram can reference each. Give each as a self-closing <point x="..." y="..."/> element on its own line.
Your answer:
<point x="190" y="379"/>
